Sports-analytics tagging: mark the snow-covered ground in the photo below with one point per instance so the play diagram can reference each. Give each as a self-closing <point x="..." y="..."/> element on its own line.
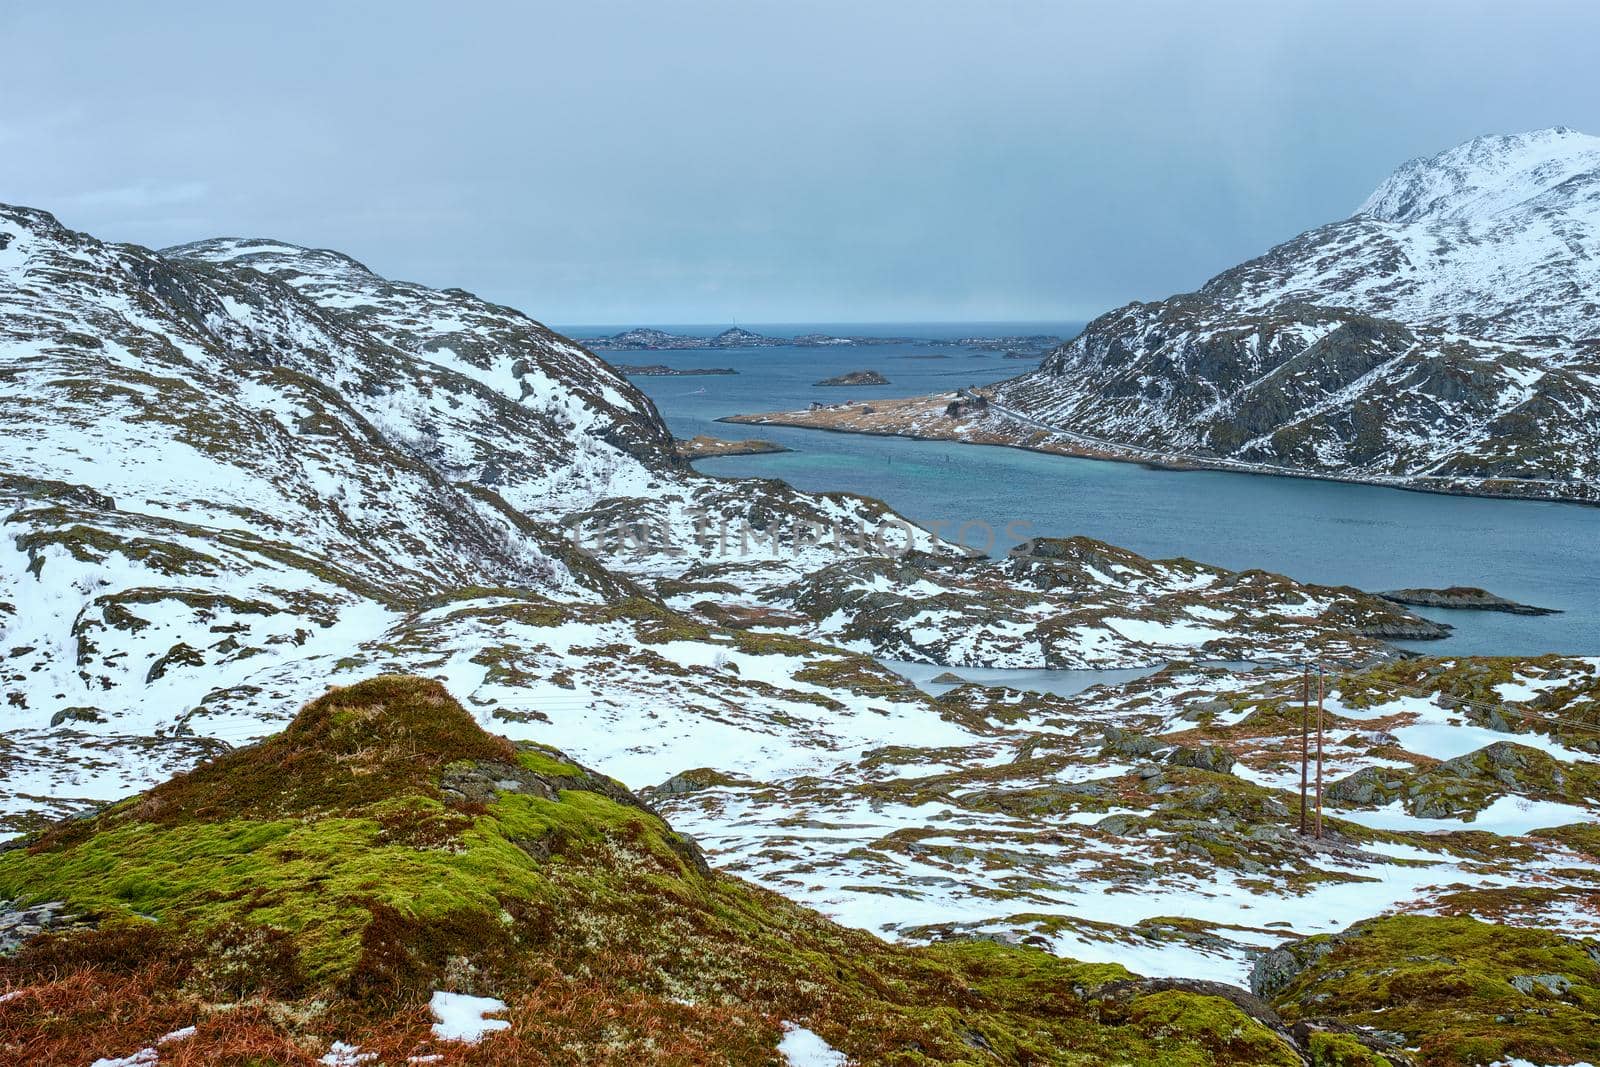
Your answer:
<point x="240" y="472"/>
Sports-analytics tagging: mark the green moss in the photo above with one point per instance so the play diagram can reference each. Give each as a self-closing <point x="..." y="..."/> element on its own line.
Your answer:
<point x="765" y="644"/>
<point x="1463" y="990"/>
<point x="533" y="608"/>
<point x="1216" y="1030"/>
<point x="655" y="623"/>
<point x="323" y="879"/>
<point x="1341" y="1050"/>
<point x="1470" y="686"/>
<point x="1581" y="837"/>
<point x="541" y="759"/>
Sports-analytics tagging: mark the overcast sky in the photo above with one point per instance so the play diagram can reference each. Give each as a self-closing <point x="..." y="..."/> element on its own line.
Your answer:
<point x="669" y="161"/>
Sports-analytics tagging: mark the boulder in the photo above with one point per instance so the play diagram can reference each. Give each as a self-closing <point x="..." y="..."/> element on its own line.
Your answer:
<point x="1202" y="757"/>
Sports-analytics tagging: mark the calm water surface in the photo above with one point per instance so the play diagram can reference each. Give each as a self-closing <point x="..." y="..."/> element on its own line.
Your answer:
<point x="1328" y="532"/>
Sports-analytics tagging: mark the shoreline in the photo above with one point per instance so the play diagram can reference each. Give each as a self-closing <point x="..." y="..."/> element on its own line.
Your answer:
<point x="1178" y="464"/>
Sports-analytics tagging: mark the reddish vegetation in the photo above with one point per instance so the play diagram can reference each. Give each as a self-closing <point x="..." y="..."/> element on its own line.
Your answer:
<point x="112" y="1006"/>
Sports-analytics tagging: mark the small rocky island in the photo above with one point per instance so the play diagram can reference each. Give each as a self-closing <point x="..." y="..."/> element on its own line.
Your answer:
<point x="664" y="371"/>
<point x="856" y="377"/>
<point x="702" y="445"/>
<point x="1463" y="597"/>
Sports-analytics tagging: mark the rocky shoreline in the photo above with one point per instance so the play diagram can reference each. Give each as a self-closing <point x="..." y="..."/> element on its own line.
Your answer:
<point x="925" y="418"/>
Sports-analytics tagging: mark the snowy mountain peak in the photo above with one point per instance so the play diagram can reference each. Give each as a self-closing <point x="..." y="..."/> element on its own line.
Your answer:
<point x="1484" y="176"/>
<point x="265" y="254"/>
<point x="1445" y="336"/>
<point x="21" y="230"/>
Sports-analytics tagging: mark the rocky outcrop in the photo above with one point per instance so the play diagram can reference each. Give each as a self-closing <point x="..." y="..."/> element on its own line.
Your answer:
<point x="20" y="924"/>
<point x="1464" y="785"/>
<point x="702" y="446"/>
<point x="1461" y="989"/>
<point x="1077" y="602"/>
<point x="1212" y="758"/>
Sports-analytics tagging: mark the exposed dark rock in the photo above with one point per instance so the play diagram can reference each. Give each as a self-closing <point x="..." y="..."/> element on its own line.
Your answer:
<point x="1465" y="598"/>
<point x="1277" y="969"/>
<point x="77" y="714"/>
<point x="1203" y="757"/>
<point x="18" y="924"/>
<point x="1555" y="985"/>
<point x="1124" y="742"/>
<point x="1368" y="786"/>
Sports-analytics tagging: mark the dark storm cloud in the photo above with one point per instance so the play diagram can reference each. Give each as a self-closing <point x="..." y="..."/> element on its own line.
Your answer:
<point x="660" y="161"/>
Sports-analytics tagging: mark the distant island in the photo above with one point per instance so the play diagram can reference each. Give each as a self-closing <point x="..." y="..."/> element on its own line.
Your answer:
<point x="1024" y="346"/>
<point x="856" y="377"/>
<point x="701" y="446"/>
<point x="647" y="339"/>
<point x="1463" y="597"/>
<point x="662" y="370"/>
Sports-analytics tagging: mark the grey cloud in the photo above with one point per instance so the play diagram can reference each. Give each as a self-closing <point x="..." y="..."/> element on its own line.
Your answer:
<point x="639" y="161"/>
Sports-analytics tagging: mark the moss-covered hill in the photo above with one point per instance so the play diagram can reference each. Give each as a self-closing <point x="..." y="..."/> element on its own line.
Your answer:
<point x="319" y="886"/>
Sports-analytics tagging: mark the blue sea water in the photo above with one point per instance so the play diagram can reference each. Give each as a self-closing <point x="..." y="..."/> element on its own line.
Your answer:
<point x="1329" y="532"/>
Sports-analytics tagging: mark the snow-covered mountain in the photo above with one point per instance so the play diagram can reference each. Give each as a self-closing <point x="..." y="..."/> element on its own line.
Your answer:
<point x="233" y="474"/>
<point x="235" y="470"/>
<point x="1446" y="336"/>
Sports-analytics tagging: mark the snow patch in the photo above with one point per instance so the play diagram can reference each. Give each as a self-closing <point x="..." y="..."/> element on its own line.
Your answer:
<point x="803" y="1048"/>
<point x="463" y="1018"/>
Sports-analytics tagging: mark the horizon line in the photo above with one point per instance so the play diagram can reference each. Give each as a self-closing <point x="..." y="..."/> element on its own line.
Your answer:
<point x="638" y="324"/>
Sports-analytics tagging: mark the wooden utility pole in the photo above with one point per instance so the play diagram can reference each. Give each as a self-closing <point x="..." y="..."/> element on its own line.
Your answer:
<point x="1305" y="739"/>
<point x="1319" y="748"/>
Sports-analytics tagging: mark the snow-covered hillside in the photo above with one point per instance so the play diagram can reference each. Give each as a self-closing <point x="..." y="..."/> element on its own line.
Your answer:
<point x="1446" y="335"/>
<point x="235" y="473"/>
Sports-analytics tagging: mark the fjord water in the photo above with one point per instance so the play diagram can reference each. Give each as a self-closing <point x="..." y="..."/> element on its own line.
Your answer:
<point x="1329" y="532"/>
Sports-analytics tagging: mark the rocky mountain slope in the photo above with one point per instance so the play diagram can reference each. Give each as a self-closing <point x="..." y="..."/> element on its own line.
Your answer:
<point x="1445" y="336"/>
<point x="228" y="467"/>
